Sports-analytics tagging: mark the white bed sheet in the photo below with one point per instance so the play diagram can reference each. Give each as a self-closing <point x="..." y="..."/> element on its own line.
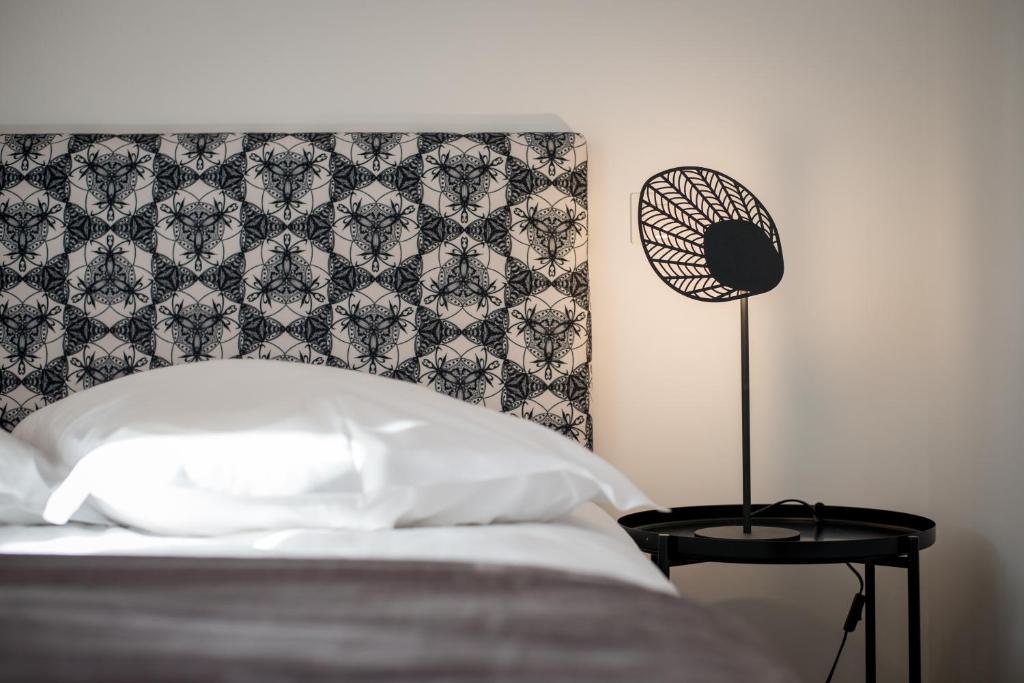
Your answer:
<point x="587" y="541"/>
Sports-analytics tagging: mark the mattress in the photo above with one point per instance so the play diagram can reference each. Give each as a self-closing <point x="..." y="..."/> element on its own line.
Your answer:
<point x="588" y="542"/>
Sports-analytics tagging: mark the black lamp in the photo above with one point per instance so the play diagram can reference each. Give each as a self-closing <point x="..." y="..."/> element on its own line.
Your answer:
<point x="709" y="238"/>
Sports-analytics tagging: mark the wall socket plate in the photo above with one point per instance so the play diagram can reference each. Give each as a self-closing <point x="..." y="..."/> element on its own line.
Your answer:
<point x="634" y="205"/>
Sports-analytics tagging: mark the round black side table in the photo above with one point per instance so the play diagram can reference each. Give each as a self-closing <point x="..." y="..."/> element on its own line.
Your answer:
<point x="839" y="534"/>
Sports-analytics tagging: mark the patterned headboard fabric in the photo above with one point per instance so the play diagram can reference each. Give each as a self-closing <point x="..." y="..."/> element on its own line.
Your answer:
<point x="455" y="261"/>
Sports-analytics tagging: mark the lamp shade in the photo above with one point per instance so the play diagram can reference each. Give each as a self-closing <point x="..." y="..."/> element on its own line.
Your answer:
<point x="707" y="236"/>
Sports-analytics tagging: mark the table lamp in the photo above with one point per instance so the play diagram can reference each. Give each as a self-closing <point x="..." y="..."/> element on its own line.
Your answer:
<point x="710" y="239"/>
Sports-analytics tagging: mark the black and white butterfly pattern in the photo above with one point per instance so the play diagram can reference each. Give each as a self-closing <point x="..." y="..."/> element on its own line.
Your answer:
<point x="458" y="261"/>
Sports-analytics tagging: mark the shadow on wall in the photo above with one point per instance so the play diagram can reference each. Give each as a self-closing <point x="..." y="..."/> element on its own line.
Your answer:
<point x="962" y="612"/>
<point x="802" y="638"/>
<point x="964" y="637"/>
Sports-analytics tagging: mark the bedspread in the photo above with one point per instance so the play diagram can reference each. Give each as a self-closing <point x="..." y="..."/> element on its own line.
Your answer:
<point x="163" y="619"/>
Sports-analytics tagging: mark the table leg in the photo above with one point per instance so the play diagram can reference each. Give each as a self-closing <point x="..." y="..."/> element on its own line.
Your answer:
<point x="870" y="668"/>
<point x="661" y="557"/>
<point x="914" y="611"/>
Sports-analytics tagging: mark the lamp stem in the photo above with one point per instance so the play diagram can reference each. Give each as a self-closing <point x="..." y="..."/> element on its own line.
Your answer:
<point x="745" y="400"/>
<point x="746" y="531"/>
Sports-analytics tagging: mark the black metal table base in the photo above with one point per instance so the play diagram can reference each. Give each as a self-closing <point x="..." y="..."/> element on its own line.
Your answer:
<point x="910" y="563"/>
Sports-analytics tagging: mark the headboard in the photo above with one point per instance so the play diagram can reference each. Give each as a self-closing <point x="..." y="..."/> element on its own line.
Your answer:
<point x="457" y="261"/>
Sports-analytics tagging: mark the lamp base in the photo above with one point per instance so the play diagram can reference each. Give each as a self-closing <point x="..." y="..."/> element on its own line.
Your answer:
<point x="757" y="533"/>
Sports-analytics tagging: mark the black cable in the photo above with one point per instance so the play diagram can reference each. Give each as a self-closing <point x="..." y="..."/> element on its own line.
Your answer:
<point x="860" y="579"/>
<point x="852" y="617"/>
<point x="856" y="607"/>
<point x="836" y="660"/>
<point x="812" y="508"/>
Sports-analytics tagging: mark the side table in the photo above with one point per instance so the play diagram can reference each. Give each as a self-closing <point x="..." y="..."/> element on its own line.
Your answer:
<point x="828" y="534"/>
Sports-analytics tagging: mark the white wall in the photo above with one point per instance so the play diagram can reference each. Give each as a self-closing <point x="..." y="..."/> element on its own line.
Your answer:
<point x="885" y="138"/>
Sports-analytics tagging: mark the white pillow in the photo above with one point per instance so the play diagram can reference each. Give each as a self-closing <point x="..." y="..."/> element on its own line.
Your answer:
<point x="22" y="491"/>
<point x="224" y="446"/>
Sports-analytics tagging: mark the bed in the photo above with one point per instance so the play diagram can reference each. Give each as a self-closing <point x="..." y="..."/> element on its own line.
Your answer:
<point x="418" y="301"/>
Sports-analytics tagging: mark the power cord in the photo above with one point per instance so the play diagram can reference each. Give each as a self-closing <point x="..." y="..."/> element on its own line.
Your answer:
<point x="815" y="509"/>
<point x="852" y="617"/>
<point x="857" y="606"/>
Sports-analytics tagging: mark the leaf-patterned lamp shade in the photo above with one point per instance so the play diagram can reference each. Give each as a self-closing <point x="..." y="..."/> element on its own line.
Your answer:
<point x="707" y="236"/>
